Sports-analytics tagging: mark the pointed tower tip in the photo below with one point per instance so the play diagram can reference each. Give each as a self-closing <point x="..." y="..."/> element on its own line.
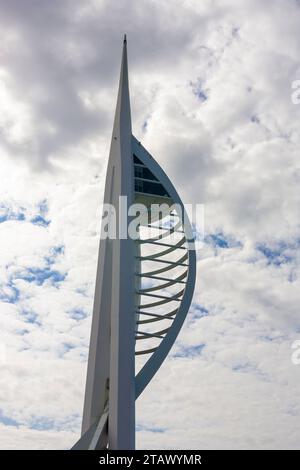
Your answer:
<point x="123" y="101"/>
<point x="125" y="39"/>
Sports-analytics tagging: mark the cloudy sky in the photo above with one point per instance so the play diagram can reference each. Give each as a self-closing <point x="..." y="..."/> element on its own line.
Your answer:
<point x="210" y="85"/>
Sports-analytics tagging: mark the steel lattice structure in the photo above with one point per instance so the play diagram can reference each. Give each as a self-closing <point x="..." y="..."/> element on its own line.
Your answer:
<point x="144" y="287"/>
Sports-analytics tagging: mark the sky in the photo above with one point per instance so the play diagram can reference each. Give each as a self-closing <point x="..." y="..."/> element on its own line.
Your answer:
<point x="210" y="86"/>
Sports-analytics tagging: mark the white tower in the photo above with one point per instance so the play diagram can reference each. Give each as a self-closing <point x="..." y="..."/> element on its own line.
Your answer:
<point x="140" y="284"/>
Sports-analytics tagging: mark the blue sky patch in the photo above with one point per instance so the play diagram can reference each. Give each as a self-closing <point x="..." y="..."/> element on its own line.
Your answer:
<point x="12" y="296"/>
<point x="44" y="423"/>
<point x="54" y="252"/>
<point x="247" y="368"/>
<point x="19" y="214"/>
<point x="78" y="314"/>
<point x="220" y="240"/>
<point x="68" y="347"/>
<point x="189" y="351"/>
<point x="7" y="420"/>
<point x="275" y="255"/>
<point x="140" y="427"/>
<point x="7" y="214"/>
<point x="255" y="119"/>
<point x="199" y="311"/>
<point x="40" y="275"/>
<point x="43" y="206"/>
<point x="39" y="220"/>
<point x="81" y="291"/>
<point x="30" y="317"/>
<point x="199" y="90"/>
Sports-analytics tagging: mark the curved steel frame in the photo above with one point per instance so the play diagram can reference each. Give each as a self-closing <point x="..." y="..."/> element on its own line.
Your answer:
<point x="154" y="362"/>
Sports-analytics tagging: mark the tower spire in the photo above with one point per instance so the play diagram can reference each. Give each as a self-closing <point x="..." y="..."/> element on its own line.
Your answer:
<point x="110" y="385"/>
<point x="120" y="306"/>
<point x="122" y="121"/>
